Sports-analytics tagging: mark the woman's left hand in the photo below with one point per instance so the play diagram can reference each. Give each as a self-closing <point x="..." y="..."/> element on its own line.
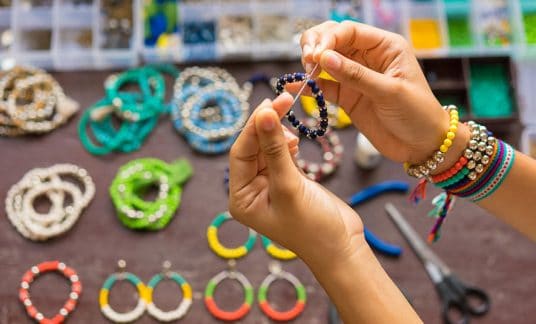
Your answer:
<point x="269" y="194"/>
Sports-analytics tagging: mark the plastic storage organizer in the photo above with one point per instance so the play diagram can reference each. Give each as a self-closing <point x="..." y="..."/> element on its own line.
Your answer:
<point x="270" y="29"/>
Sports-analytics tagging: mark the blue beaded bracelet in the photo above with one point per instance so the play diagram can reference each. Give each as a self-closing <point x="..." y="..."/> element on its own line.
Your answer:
<point x="319" y="97"/>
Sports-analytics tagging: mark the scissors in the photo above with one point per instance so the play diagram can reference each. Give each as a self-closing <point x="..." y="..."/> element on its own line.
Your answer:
<point x="457" y="298"/>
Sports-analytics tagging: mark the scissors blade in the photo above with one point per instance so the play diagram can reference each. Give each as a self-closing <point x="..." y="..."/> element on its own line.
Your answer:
<point x="425" y="254"/>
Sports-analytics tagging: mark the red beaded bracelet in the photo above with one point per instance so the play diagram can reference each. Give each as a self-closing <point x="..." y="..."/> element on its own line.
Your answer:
<point x="450" y="172"/>
<point x="30" y="275"/>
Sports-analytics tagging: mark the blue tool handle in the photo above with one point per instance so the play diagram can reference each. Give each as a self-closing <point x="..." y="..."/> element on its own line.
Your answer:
<point x="376" y="190"/>
<point x="383" y="247"/>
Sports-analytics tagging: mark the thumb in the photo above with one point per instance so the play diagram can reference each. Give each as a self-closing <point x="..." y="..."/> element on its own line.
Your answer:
<point x="354" y="74"/>
<point x="273" y="145"/>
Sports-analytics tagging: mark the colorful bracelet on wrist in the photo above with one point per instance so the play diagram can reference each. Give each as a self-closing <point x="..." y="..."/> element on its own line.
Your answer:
<point x="424" y="170"/>
<point x="476" y="175"/>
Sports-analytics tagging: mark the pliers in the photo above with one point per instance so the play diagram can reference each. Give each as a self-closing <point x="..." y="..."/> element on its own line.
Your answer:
<point x="369" y="193"/>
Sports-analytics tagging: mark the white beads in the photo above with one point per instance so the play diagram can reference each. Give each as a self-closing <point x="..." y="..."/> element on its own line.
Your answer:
<point x="31" y="101"/>
<point x="48" y="182"/>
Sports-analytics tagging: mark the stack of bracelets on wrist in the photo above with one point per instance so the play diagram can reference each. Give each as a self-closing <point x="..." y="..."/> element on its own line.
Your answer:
<point x="209" y="108"/>
<point x="67" y="308"/>
<point x="32" y="102"/>
<point x="332" y="151"/>
<point x="139" y="175"/>
<point x="138" y="111"/>
<point x="50" y="182"/>
<point x="423" y="170"/>
<point x="476" y="175"/>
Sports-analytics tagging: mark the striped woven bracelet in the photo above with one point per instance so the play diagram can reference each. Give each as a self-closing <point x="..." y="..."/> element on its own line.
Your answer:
<point x="477" y="174"/>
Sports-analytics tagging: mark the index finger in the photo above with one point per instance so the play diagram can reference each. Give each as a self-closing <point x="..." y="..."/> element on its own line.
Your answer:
<point x="350" y="35"/>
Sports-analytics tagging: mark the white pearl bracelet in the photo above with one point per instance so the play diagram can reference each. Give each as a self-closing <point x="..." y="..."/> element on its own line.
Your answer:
<point x="48" y="182"/>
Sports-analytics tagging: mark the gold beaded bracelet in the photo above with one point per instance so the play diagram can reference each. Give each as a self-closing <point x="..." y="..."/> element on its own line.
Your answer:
<point x="423" y="170"/>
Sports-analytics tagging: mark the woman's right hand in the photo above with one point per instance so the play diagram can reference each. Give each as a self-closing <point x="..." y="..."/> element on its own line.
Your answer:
<point x="382" y="88"/>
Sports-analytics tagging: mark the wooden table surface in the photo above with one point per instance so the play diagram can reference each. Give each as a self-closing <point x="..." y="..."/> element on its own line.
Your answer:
<point x="480" y="249"/>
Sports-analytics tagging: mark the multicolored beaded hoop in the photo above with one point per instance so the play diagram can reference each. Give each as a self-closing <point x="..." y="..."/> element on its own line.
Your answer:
<point x="319" y="97"/>
<point x="332" y="152"/>
<point x="275" y="251"/>
<point x="69" y="306"/>
<point x="277" y="273"/>
<point x="240" y="312"/>
<point x="183" y="307"/>
<point x="222" y="251"/>
<point x="144" y="297"/>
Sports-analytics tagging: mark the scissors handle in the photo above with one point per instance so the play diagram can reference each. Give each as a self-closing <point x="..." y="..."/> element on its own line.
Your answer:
<point x="462" y="299"/>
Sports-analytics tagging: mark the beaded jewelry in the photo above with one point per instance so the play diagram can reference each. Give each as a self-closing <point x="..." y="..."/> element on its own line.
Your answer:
<point x="144" y="297"/>
<point x="138" y="111"/>
<point x="319" y="97"/>
<point x="183" y="307"/>
<point x="275" y="251"/>
<point x="277" y="273"/>
<point x="211" y="305"/>
<point x="480" y="170"/>
<point x="337" y="118"/>
<point x="67" y="308"/>
<point x="423" y="170"/>
<point x="222" y="251"/>
<point x="32" y="102"/>
<point x="48" y="181"/>
<point x="272" y="249"/>
<point x="138" y="175"/>
<point x="332" y="151"/>
<point x="209" y="108"/>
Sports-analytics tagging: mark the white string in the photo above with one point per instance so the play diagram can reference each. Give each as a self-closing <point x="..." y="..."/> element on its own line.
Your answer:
<point x="309" y="76"/>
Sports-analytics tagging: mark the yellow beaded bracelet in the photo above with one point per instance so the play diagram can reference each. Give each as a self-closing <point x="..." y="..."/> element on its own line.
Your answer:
<point x="423" y="170"/>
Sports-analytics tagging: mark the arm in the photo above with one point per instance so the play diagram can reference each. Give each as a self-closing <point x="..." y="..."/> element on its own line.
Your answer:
<point x="269" y="194"/>
<point x="385" y="93"/>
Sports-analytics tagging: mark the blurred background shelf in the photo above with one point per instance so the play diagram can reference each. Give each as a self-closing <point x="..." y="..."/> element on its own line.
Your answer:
<point x="469" y="49"/>
<point x="118" y="33"/>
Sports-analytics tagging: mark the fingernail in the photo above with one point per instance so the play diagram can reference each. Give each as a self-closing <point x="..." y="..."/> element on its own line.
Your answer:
<point x="332" y="61"/>
<point x="307" y="50"/>
<point x="309" y="67"/>
<point x="268" y="123"/>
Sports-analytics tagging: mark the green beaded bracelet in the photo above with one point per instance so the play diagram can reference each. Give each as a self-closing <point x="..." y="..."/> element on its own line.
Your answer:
<point x="137" y="176"/>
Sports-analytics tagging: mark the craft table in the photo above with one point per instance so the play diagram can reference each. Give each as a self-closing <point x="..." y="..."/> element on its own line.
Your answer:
<point x="478" y="247"/>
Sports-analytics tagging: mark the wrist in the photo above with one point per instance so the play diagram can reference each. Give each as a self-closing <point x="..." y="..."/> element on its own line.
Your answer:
<point x="356" y="280"/>
<point x="324" y="266"/>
